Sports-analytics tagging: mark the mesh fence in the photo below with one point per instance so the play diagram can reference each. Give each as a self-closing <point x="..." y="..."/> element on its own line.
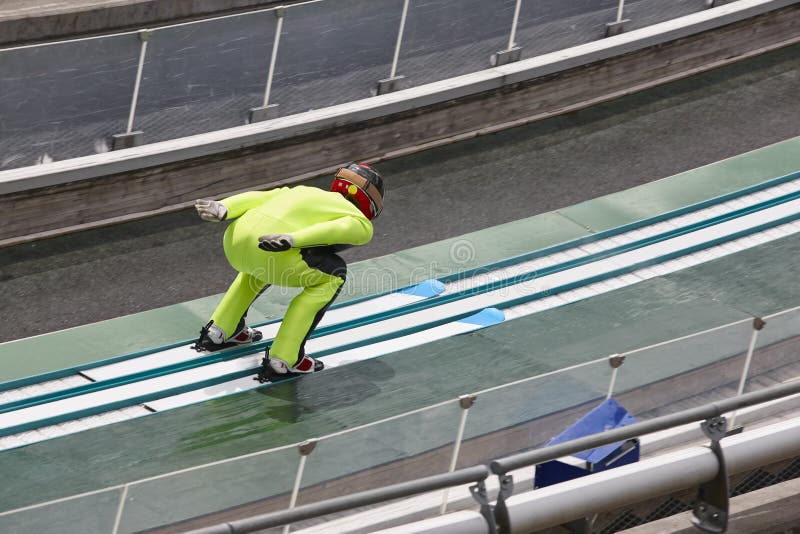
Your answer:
<point x="67" y="99"/>
<point x="62" y="100"/>
<point x="679" y="502"/>
<point x="648" y="12"/>
<point x="204" y="76"/>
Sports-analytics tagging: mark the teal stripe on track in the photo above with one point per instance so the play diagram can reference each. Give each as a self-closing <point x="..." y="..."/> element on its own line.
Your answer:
<point x="410" y="330"/>
<point x="425" y="304"/>
<point x="54" y="375"/>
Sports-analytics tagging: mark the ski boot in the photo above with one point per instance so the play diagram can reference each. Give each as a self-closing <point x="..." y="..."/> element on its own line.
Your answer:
<point x="274" y="369"/>
<point x="212" y="337"/>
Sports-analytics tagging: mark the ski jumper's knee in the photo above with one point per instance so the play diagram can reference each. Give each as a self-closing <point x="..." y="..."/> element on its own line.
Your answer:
<point x="307" y="308"/>
<point x="240" y="295"/>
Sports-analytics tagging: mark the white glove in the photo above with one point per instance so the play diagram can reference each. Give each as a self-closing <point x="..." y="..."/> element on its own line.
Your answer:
<point x="275" y="242"/>
<point x="211" y="210"/>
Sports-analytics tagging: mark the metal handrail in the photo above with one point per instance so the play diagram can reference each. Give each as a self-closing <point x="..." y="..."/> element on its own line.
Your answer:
<point x="382" y="421"/>
<point x="501" y="466"/>
<point x="476" y="474"/>
<point x="153" y="27"/>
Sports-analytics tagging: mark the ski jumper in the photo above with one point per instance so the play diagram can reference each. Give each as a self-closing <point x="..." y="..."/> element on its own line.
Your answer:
<point x="321" y="222"/>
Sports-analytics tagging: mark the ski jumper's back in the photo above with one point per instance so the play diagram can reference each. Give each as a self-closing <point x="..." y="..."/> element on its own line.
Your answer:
<point x="312" y="216"/>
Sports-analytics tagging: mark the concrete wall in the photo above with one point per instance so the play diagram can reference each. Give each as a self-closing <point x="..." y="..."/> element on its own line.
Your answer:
<point x="173" y="184"/>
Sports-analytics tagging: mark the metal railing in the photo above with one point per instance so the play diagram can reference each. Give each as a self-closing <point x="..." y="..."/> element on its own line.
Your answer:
<point x="705" y="468"/>
<point x="710" y="413"/>
<point x="78" y="97"/>
<point x="726" y="355"/>
<point x="502" y="466"/>
<point x="476" y="474"/>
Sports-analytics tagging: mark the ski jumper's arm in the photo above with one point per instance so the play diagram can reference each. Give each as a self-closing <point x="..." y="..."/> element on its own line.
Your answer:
<point x="346" y="230"/>
<point x="237" y="205"/>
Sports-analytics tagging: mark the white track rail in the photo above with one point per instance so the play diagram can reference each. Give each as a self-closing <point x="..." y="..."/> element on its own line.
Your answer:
<point x="547" y="285"/>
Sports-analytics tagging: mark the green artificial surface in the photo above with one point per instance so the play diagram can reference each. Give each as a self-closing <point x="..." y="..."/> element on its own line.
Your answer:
<point x="649" y="312"/>
<point x="99" y="341"/>
<point x="687" y="188"/>
<point x="757" y="281"/>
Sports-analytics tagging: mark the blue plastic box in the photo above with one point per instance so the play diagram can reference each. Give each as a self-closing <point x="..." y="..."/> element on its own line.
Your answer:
<point x="609" y="414"/>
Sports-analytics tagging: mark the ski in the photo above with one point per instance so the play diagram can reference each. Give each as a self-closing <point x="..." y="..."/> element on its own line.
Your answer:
<point x="215" y="380"/>
<point x="165" y="360"/>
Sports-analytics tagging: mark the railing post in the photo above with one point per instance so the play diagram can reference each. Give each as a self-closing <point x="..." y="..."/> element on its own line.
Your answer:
<point x="513" y="52"/>
<point x="121" y="506"/>
<point x="500" y="509"/>
<point x="615" y="361"/>
<point x="514" y="23"/>
<point x="387" y="85"/>
<point x="620" y="7"/>
<point x="304" y="449"/>
<point x="479" y="493"/>
<point x="758" y="325"/>
<point x="711" y="507"/>
<point x="130" y="138"/>
<point x="267" y="110"/>
<point x="466" y="402"/>
<point x="618" y="26"/>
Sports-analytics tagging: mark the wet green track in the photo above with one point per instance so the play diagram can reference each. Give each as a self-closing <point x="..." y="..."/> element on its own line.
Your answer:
<point x="754" y="282"/>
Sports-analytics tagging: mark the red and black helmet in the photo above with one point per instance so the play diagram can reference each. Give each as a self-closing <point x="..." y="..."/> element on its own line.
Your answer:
<point x="361" y="184"/>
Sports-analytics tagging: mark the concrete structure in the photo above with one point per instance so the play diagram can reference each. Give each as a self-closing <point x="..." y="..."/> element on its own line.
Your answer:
<point x="304" y="145"/>
<point x="753" y="284"/>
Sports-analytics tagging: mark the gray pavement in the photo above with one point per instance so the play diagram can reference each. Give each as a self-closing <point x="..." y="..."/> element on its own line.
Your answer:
<point x="436" y="194"/>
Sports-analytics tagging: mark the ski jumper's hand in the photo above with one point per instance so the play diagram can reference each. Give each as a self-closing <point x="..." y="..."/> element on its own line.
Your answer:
<point x="211" y="210"/>
<point x="275" y="242"/>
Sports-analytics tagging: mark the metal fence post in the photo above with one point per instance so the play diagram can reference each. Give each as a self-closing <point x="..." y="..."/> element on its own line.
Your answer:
<point x="130" y="138"/>
<point x="618" y="26"/>
<point x="304" y="449"/>
<point x="710" y="512"/>
<point x="758" y="325"/>
<point x="387" y="85"/>
<point x="466" y="402"/>
<point x="620" y="8"/>
<point x="513" y="52"/>
<point x="267" y="110"/>
<point x="615" y="361"/>
<point x="121" y="506"/>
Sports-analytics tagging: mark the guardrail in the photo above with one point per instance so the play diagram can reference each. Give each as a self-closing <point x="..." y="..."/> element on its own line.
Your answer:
<point x="155" y="84"/>
<point x="723" y="355"/>
<point x="711" y="510"/>
<point x="476" y="474"/>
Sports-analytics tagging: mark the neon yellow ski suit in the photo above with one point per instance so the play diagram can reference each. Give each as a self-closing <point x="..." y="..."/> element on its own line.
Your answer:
<point x="317" y="220"/>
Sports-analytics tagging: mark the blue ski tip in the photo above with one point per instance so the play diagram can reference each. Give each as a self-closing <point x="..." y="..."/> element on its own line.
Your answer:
<point x="485" y="317"/>
<point x="428" y="288"/>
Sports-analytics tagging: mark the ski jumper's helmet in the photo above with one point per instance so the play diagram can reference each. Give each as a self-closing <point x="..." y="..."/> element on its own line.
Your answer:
<point x="362" y="185"/>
